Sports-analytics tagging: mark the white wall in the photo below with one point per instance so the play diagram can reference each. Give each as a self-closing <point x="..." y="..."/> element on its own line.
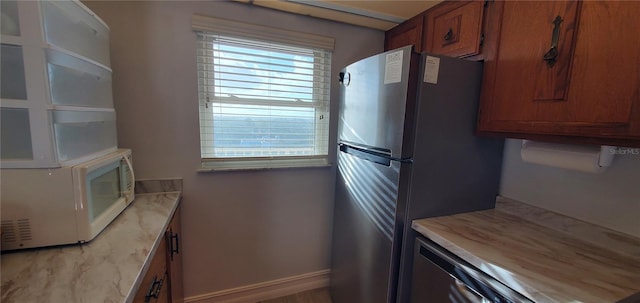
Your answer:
<point x="240" y="228"/>
<point x="610" y="199"/>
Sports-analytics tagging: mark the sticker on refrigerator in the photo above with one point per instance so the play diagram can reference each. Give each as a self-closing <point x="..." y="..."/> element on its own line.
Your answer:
<point x="431" y="69"/>
<point x="393" y="68"/>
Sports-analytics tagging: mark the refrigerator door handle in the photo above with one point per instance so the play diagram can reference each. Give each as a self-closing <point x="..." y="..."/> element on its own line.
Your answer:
<point x="367" y="148"/>
<point x="365" y="155"/>
<point x="370" y="155"/>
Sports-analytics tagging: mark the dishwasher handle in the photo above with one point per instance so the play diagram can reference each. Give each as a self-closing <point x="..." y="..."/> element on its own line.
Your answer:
<point x="469" y="281"/>
<point x="468" y="292"/>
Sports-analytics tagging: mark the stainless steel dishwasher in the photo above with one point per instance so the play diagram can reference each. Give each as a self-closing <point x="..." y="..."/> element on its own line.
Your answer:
<point x="441" y="277"/>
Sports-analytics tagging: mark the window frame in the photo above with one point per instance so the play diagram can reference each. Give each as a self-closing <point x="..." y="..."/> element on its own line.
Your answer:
<point x="204" y="25"/>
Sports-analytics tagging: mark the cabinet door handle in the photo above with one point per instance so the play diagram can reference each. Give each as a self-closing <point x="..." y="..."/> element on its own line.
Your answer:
<point x="552" y="55"/>
<point x="449" y="35"/>
<point x="174" y="243"/>
<point x="154" y="289"/>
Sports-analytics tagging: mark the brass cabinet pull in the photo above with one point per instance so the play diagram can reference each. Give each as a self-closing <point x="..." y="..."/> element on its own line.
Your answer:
<point x="552" y="55"/>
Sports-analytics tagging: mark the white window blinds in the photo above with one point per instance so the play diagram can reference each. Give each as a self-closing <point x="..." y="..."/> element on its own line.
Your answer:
<point x="262" y="103"/>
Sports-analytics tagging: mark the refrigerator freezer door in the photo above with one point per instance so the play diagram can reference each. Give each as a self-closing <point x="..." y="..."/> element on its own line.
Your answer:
<point x="364" y="231"/>
<point x="453" y="170"/>
<point x="373" y="102"/>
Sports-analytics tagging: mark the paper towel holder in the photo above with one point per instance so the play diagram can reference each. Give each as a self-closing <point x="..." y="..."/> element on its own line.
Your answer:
<point x="593" y="159"/>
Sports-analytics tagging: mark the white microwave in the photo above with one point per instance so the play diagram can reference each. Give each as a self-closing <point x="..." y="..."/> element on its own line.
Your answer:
<point x="67" y="205"/>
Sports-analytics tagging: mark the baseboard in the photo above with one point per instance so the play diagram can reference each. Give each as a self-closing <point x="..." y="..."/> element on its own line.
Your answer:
<point x="266" y="290"/>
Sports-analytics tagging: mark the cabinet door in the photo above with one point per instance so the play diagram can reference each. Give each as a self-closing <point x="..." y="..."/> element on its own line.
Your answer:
<point x="454" y="28"/>
<point x="565" y="68"/>
<point x="406" y="33"/>
<point x="163" y="295"/>
<point x="154" y="283"/>
<point x="174" y="258"/>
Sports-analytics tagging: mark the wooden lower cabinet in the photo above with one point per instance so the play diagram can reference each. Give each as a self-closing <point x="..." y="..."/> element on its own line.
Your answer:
<point x="163" y="294"/>
<point x="154" y="283"/>
<point x="174" y="259"/>
<point x="163" y="281"/>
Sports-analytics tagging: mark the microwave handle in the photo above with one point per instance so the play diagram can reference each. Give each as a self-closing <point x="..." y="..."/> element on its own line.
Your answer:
<point x="132" y="192"/>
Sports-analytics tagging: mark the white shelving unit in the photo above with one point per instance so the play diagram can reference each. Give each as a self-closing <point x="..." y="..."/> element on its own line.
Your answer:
<point x="55" y="98"/>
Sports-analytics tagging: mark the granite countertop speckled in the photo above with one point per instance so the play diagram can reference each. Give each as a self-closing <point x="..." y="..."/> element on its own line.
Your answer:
<point x="107" y="269"/>
<point x="543" y="255"/>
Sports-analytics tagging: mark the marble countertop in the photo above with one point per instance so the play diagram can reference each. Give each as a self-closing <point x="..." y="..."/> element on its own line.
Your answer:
<point x="107" y="269"/>
<point x="543" y="255"/>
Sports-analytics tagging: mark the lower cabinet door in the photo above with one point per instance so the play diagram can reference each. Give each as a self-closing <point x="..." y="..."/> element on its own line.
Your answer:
<point x="154" y="286"/>
<point x="163" y="281"/>
<point x="163" y="294"/>
<point x="174" y="234"/>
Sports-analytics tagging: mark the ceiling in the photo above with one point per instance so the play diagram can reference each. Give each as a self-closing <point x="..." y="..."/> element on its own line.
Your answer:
<point x="378" y="14"/>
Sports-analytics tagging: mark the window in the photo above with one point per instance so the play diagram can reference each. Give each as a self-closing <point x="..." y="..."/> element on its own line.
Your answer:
<point x="262" y="103"/>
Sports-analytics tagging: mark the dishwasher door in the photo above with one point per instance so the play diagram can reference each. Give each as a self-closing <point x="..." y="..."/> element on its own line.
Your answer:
<point x="440" y="277"/>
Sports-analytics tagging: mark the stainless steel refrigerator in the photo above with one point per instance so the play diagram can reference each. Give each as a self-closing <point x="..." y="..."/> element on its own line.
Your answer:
<point x="407" y="150"/>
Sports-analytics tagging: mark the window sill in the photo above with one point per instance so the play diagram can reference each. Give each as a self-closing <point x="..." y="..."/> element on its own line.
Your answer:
<point x="258" y="165"/>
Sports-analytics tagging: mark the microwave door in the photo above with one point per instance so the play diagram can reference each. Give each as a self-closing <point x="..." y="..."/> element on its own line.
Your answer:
<point x="102" y="199"/>
<point x="127" y="179"/>
<point x="103" y="189"/>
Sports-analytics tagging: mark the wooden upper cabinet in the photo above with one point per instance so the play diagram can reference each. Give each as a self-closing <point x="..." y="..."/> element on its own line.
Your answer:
<point x="406" y="33"/>
<point x="451" y="28"/>
<point x="564" y="70"/>
<point x="454" y="28"/>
